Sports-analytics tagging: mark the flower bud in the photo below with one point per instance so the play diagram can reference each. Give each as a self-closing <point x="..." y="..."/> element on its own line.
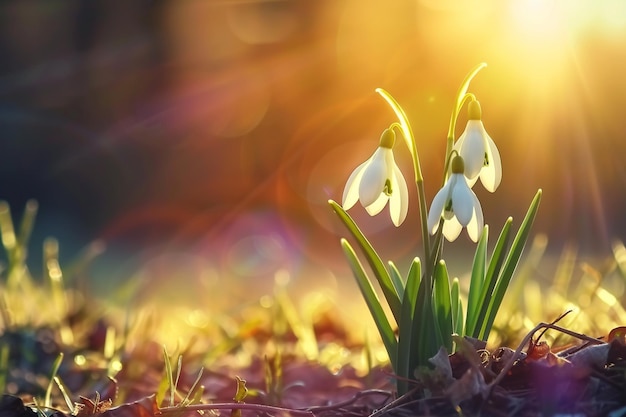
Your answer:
<point x="474" y="111"/>
<point x="387" y="139"/>
<point x="457" y="165"/>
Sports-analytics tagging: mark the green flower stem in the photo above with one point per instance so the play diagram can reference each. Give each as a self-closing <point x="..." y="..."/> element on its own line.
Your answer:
<point x="461" y="98"/>
<point x="409" y="138"/>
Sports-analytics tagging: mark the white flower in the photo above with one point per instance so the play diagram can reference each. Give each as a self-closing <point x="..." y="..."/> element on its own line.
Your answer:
<point x="458" y="205"/>
<point x="479" y="152"/>
<point x="377" y="181"/>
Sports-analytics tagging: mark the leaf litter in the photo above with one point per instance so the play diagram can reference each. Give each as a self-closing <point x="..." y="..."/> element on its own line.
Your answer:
<point x="61" y="357"/>
<point x="586" y="378"/>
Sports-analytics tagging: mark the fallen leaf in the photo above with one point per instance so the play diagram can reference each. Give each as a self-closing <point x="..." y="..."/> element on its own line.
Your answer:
<point x="591" y="357"/>
<point x="618" y="333"/>
<point x="472" y="383"/>
<point x="441" y="361"/>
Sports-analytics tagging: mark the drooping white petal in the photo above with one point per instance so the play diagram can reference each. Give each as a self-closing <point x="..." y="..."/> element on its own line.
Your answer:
<point x="378" y="205"/>
<point x="462" y="201"/>
<point x="452" y="229"/>
<point x="459" y="142"/>
<point x="399" y="201"/>
<point x="374" y="177"/>
<point x="472" y="148"/>
<point x="491" y="175"/>
<point x="475" y="226"/>
<point x="471" y="181"/>
<point x="351" y="190"/>
<point x="437" y="207"/>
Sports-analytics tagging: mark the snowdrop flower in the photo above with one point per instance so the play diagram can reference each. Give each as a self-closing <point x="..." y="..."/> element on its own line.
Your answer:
<point x="377" y="181"/>
<point x="458" y="205"/>
<point x="479" y="152"/>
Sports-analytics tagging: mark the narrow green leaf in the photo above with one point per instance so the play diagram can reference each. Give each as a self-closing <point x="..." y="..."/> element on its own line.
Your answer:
<point x="442" y="304"/>
<point x="426" y="338"/>
<point x="374" y="261"/>
<point x="497" y="259"/>
<point x="66" y="396"/>
<point x="55" y="369"/>
<point x="405" y="335"/>
<point x="179" y="369"/>
<point x="28" y="221"/>
<point x="373" y="303"/>
<point x="461" y="330"/>
<point x="192" y="394"/>
<point x="457" y="307"/>
<point x="477" y="280"/>
<point x="396" y="279"/>
<point x="511" y="262"/>
<point x="4" y="365"/>
<point x="169" y="375"/>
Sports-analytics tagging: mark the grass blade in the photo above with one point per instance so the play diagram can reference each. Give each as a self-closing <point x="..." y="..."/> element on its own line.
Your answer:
<point x="380" y="272"/>
<point x="190" y="398"/>
<point x="64" y="393"/>
<point x="27" y="223"/>
<point x="169" y="375"/>
<point x="55" y="369"/>
<point x="373" y="303"/>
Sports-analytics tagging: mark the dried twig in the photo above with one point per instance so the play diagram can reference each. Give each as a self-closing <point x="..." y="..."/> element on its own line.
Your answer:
<point x="237" y="406"/>
<point x="517" y="354"/>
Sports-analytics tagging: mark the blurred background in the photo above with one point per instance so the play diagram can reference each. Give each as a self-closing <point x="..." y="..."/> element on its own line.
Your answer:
<point x="207" y="135"/>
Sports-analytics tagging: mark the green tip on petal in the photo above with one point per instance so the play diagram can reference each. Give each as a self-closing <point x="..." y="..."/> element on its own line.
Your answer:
<point x="457" y="165"/>
<point x="387" y="139"/>
<point x="474" y="111"/>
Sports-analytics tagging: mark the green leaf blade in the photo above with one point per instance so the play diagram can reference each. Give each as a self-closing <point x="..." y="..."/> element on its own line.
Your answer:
<point x="373" y="303"/>
<point x="477" y="280"/>
<point x="374" y="261"/>
<point x="491" y="276"/>
<point x="405" y="333"/>
<point x="511" y="262"/>
<point x="396" y="279"/>
<point x="457" y="308"/>
<point x="442" y="304"/>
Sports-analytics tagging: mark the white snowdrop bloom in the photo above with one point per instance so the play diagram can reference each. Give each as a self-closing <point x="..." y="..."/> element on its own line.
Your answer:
<point x="479" y="151"/>
<point x="457" y="204"/>
<point x="378" y="181"/>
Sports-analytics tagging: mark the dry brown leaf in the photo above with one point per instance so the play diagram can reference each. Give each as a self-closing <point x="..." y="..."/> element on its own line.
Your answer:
<point x="441" y="361"/>
<point x="591" y="357"/>
<point x="88" y="407"/>
<point x="618" y="333"/>
<point x="472" y="383"/>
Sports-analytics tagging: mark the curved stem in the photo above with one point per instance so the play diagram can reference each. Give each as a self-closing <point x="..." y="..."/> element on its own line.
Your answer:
<point x="461" y="97"/>
<point x="461" y="94"/>
<point x="460" y="102"/>
<point x="407" y="134"/>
